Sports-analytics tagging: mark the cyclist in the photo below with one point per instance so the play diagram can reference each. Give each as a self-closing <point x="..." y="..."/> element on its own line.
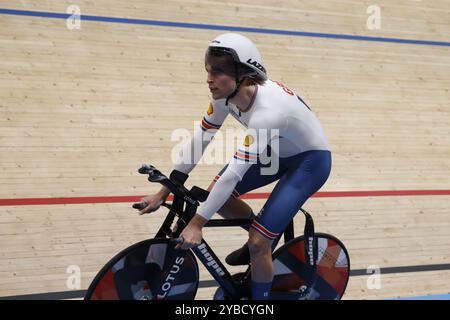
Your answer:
<point x="280" y="127"/>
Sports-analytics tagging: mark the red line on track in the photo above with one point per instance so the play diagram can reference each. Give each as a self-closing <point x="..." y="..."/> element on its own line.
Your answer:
<point x="115" y="199"/>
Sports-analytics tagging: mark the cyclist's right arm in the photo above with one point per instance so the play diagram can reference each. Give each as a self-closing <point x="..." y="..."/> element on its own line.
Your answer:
<point x="188" y="156"/>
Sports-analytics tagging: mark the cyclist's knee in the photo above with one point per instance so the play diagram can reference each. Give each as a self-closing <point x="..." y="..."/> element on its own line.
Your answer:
<point x="258" y="244"/>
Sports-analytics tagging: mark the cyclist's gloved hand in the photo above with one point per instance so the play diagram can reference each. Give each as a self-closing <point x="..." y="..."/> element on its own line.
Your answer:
<point x="192" y="237"/>
<point x="192" y="234"/>
<point x="153" y="202"/>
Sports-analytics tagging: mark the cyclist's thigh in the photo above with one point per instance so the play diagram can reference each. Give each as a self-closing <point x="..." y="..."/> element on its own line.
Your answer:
<point x="301" y="181"/>
<point x="253" y="179"/>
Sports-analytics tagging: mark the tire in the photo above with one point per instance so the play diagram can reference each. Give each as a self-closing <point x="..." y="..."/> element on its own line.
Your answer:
<point x="148" y="270"/>
<point x="333" y="270"/>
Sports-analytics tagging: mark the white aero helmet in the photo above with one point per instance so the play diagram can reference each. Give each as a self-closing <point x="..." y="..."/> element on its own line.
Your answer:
<point x="243" y="52"/>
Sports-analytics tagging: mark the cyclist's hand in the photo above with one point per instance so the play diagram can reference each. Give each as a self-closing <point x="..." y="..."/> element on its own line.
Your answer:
<point x="192" y="237"/>
<point x="153" y="201"/>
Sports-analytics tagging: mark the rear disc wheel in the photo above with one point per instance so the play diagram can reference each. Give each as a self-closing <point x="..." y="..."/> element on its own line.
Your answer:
<point x="333" y="270"/>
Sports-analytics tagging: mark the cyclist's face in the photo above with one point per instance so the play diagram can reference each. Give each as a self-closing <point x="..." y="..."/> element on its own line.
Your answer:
<point x="220" y="79"/>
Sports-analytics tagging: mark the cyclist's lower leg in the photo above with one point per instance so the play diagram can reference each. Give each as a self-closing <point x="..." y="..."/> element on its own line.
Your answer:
<point x="262" y="269"/>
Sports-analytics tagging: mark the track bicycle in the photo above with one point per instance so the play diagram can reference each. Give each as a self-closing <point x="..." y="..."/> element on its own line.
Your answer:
<point x="313" y="266"/>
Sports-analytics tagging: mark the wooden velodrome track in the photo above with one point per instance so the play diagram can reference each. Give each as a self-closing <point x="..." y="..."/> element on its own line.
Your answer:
<point x="81" y="110"/>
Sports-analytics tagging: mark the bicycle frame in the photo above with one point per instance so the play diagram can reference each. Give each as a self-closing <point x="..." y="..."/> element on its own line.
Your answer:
<point x="212" y="263"/>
